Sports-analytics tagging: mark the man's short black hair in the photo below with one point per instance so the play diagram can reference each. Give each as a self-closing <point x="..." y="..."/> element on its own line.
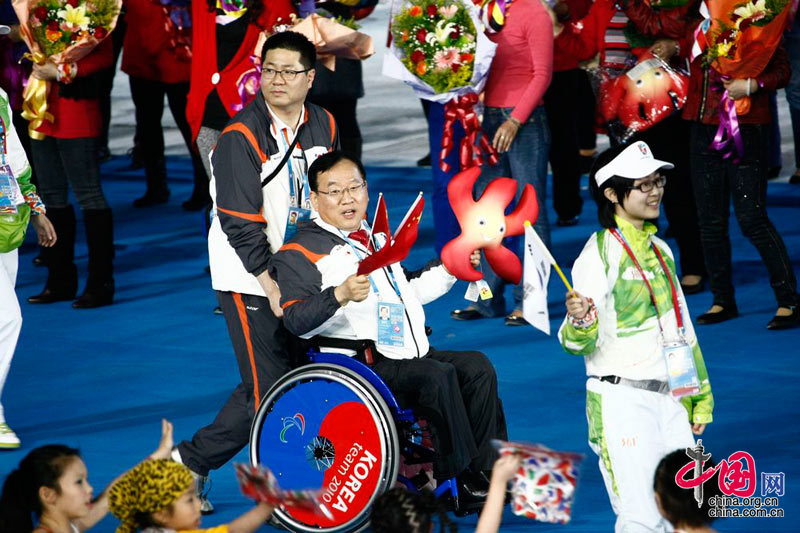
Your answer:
<point x="296" y="42"/>
<point x="621" y="186"/>
<point x="325" y="162"/>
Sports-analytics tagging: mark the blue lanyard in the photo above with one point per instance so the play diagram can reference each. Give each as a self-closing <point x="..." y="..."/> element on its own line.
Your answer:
<point x="3" y="141"/>
<point x="369" y="277"/>
<point x="302" y="183"/>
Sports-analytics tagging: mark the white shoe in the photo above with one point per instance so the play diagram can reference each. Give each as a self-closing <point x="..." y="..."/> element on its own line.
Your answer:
<point x="8" y="439"/>
<point x="202" y="484"/>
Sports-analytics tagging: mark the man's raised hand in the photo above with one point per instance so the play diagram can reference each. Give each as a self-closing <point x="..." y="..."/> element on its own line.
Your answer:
<point x="354" y="289"/>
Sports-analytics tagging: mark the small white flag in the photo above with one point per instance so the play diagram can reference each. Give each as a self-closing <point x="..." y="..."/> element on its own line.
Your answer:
<point x="536" y="275"/>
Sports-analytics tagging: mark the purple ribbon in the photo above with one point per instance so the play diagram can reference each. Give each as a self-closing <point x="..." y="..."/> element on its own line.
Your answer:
<point x="248" y="84"/>
<point x="728" y="138"/>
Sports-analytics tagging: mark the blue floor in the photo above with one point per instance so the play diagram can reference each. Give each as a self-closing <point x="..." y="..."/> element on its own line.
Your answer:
<point x="102" y="379"/>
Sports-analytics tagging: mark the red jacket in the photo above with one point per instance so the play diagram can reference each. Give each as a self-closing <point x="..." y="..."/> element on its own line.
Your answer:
<point x="78" y="118"/>
<point x="702" y="103"/>
<point x="562" y="59"/>
<point x="662" y="23"/>
<point x="204" y="76"/>
<point x="585" y="38"/>
<point x="147" y="52"/>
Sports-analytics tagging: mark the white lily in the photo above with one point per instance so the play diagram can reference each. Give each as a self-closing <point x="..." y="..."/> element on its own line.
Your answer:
<point x="75" y="17"/>
<point x="749" y="10"/>
<point x="441" y="33"/>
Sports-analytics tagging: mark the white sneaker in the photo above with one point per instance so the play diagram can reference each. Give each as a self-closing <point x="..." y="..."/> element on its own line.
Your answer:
<point x="202" y="486"/>
<point x="8" y="439"/>
<point x="200" y="482"/>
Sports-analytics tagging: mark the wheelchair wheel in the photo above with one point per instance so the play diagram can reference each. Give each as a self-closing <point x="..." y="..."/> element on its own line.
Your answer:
<point x="324" y="426"/>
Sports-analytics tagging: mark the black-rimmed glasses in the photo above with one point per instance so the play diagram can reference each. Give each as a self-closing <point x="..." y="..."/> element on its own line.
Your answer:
<point x="287" y="75"/>
<point x="648" y="186"/>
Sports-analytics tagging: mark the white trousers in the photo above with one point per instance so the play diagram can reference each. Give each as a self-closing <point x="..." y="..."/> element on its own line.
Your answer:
<point x="10" y="316"/>
<point x="631" y="430"/>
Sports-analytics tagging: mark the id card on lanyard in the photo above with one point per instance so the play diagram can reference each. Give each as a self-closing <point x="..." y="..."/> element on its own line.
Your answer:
<point x="677" y="354"/>
<point x="390" y="316"/>
<point x="10" y="193"/>
<point x="299" y="195"/>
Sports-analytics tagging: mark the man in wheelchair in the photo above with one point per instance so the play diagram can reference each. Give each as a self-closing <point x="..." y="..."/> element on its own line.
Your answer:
<point x="380" y="317"/>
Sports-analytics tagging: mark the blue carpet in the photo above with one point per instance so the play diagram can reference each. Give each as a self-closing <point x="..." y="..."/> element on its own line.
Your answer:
<point x="102" y="379"/>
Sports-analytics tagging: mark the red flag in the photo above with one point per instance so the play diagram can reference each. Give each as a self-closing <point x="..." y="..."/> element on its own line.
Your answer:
<point x="380" y="223"/>
<point x="396" y="250"/>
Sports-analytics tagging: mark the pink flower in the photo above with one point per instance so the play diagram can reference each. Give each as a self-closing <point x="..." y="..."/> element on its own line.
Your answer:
<point x="444" y="59"/>
<point x="448" y="12"/>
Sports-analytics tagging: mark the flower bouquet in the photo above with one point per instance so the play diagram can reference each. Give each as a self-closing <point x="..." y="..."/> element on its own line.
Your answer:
<point x="737" y="39"/>
<point x="331" y="40"/>
<point x="742" y="36"/>
<point x="439" y="48"/>
<point x="61" y="31"/>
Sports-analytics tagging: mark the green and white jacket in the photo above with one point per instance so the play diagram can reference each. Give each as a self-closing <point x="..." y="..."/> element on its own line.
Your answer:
<point x="624" y="340"/>
<point x="13" y="225"/>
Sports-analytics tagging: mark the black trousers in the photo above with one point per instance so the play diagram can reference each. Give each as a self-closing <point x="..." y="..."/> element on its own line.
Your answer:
<point x="107" y="78"/>
<point x="563" y="117"/>
<point x="148" y="98"/>
<point x="716" y="181"/>
<point x="587" y="105"/>
<point x="259" y="342"/>
<point x="60" y="163"/>
<point x="669" y="141"/>
<point x="457" y="393"/>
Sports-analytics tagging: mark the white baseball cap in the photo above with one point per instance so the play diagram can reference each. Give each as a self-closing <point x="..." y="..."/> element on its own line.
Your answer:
<point x="634" y="162"/>
<point x="4" y="30"/>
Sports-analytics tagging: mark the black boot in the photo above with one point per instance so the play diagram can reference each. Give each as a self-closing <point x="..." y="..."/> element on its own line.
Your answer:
<point x="100" y="238"/>
<point x="157" y="190"/>
<point x="62" y="276"/>
<point x="200" y="197"/>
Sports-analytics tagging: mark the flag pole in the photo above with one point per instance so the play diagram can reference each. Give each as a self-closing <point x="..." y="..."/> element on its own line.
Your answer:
<point x="550" y="257"/>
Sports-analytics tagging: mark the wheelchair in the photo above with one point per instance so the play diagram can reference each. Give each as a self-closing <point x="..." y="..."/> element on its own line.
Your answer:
<point x="335" y="425"/>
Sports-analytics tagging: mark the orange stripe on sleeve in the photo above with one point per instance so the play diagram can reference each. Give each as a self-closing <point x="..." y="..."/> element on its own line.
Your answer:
<point x="332" y="124"/>
<point x="252" y="217"/>
<point x="311" y="256"/>
<point x="237" y="299"/>
<point x="244" y="130"/>
<point x="290" y="302"/>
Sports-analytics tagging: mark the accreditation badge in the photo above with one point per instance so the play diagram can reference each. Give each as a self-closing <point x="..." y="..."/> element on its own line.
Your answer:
<point x="295" y="216"/>
<point x="10" y="193"/>
<point x="681" y="370"/>
<point x="391" y="324"/>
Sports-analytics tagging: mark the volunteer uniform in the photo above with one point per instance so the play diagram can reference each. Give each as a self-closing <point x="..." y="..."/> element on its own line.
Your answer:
<point x="18" y="200"/>
<point x="458" y="388"/>
<point x="256" y="193"/>
<point x="633" y="418"/>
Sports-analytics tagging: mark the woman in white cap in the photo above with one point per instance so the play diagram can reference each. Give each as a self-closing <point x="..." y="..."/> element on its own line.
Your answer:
<point x="627" y="315"/>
